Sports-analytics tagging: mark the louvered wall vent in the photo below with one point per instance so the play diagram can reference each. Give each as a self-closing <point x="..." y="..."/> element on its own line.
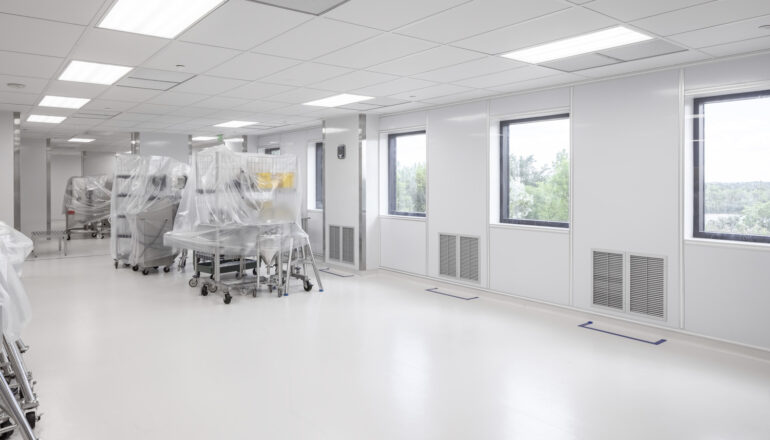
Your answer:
<point x="647" y="285"/>
<point x="467" y="265"/>
<point x="334" y="243"/>
<point x="608" y="279"/>
<point x="348" y="245"/>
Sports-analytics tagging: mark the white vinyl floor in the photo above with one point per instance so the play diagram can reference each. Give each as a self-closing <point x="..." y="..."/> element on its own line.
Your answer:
<point x="121" y="356"/>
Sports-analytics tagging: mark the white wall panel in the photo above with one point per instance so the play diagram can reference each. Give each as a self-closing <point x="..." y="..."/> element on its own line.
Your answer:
<point x="726" y="293"/>
<point x="530" y="262"/>
<point x="625" y="152"/>
<point x="530" y="102"/>
<point x="63" y="166"/>
<point x="342" y="175"/>
<point x="401" y="121"/>
<point x="727" y="73"/>
<point x="99" y="163"/>
<point x="6" y="158"/>
<point x="457" y="178"/>
<point x="403" y="244"/>
<point x="33" y="182"/>
<point x="175" y="146"/>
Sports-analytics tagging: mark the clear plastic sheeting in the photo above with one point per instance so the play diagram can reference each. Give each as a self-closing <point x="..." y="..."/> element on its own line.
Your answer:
<point x="145" y="198"/>
<point x="14" y="304"/>
<point x="234" y="199"/>
<point x="87" y="200"/>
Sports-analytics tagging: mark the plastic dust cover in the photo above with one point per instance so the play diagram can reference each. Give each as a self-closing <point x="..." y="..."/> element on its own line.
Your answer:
<point x="234" y="198"/>
<point x="87" y="199"/>
<point x="145" y="198"/>
<point x="15" y="309"/>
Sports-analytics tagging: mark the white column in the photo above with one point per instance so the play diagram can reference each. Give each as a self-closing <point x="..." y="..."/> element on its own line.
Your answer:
<point x="33" y="185"/>
<point x="6" y="167"/>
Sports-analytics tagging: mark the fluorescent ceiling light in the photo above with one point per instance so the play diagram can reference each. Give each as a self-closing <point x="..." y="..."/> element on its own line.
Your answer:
<point x="204" y="138"/>
<point x="236" y="124"/>
<point x="164" y="18"/>
<point x="593" y="42"/>
<point x="234" y="140"/>
<point x="94" y="73"/>
<point x="46" y="119"/>
<point x="63" y="102"/>
<point x="338" y="100"/>
<point x="81" y="140"/>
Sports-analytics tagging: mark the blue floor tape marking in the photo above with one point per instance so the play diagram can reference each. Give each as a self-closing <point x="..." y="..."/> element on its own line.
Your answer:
<point x="586" y="325"/>
<point x="328" y="270"/>
<point x="435" y="290"/>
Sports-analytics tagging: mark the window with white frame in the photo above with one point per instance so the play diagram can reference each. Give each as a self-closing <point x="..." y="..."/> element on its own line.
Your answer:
<point x="407" y="177"/>
<point x="534" y="171"/>
<point x="731" y="152"/>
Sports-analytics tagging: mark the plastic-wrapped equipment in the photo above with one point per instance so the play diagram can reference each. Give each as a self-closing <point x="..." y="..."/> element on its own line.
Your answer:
<point x="233" y="198"/>
<point x="145" y="198"/>
<point x="87" y="200"/>
<point x="14" y="248"/>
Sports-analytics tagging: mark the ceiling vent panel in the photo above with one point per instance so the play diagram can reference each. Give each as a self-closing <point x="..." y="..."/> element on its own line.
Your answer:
<point x="146" y="84"/>
<point x="314" y="7"/>
<point x="645" y="49"/>
<point x="580" y="62"/>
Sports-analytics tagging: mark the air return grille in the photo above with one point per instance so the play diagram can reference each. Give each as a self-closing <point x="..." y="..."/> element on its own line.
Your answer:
<point x="647" y="283"/>
<point x="348" y="245"/>
<point x="447" y="255"/>
<point x="469" y="258"/>
<point x="334" y="243"/>
<point x="467" y="248"/>
<point x="608" y="279"/>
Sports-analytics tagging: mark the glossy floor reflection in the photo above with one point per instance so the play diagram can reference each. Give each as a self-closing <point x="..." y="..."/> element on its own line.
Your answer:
<point x="122" y="356"/>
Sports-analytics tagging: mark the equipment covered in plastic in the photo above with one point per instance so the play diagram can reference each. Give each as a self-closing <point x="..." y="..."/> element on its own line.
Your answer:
<point x="14" y="248"/>
<point x="232" y="198"/>
<point x="145" y="198"/>
<point x="86" y="203"/>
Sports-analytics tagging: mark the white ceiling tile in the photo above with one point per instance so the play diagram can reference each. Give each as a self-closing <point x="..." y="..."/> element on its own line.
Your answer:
<point x="209" y="85"/>
<point x="196" y="58"/>
<point x="171" y="119"/>
<point x="56" y="10"/>
<point x="490" y="64"/>
<point x="477" y="17"/>
<point x="537" y="83"/>
<point x="39" y="37"/>
<point x="430" y="59"/>
<point x="260" y="106"/>
<point x="75" y="89"/>
<point x="401" y="108"/>
<point x="306" y="73"/>
<point x="252" y="66"/>
<point x="133" y="117"/>
<point x="241" y="24"/>
<point x="629" y="10"/>
<point x="132" y="94"/>
<point x="23" y="64"/>
<point x="753" y="45"/>
<point x="562" y="24"/>
<point x="705" y="15"/>
<point x="177" y="98"/>
<point x="299" y="96"/>
<point x="508" y="76"/>
<point x="107" y="105"/>
<point x="257" y="90"/>
<point x="388" y="15"/>
<point x="222" y="102"/>
<point x="386" y="101"/>
<point x="580" y="62"/>
<point x="315" y="38"/>
<point x="393" y="87"/>
<point x="192" y="112"/>
<point x="33" y="85"/>
<point x="113" y="47"/>
<point x="154" y="109"/>
<point x="377" y="50"/>
<point x="431" y="92"/>
<point x="645" y="64"/>
<point x="459" y="97"/>
<point x="727" y="33"/>
<point x="353" y="80"/>
<point x="291" y="110"/>
<point x="22" y="99"/>
<point x="644" y="49"/>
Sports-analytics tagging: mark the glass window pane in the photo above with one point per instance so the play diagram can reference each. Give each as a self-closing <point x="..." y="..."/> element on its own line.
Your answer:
<point x="736" y="162"/>
<point x="538" y="170"/>
<point x="410" y="183"/>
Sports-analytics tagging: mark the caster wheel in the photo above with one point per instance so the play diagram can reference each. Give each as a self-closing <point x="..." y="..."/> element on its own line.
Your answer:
<point x="254" y="293"/>
<point x="5" y="435"/>
<point x="93" y="235"/>
<point x="126" y="265"/>
<point x="270" y="289"/>
<point x="135" y="268"/>
<point x="193" y="282"/>
<point x="31" y="419"/>
<point x="213" y="288"/>
<point x="204" y="290"/>
<point x="69" y="238"/>
<point x="145" y="271"/>
<point x="101" y="236"/>
<point x="116" y="265"/>
<point x="308" y="286"/>
<point x="228" y="298"/>
<point x="166" y="269"/>
<point x="254" y="271"/>
<point x="238" y="275"/>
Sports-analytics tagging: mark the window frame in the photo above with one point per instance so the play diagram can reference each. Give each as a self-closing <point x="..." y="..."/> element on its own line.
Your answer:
<point x="392" y="138"/>
<point x="698" y="154"/>
<point x="505" y="172"/>
<point x="319" y="176"/>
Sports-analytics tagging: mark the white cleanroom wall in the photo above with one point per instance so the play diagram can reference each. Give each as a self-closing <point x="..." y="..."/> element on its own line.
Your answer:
<point x="63" y="166"/>
<point x="33" y="185"/>
<point x="98" y="163"/>
<point x="6" y="157"/>
<point x="175" y="146"/>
